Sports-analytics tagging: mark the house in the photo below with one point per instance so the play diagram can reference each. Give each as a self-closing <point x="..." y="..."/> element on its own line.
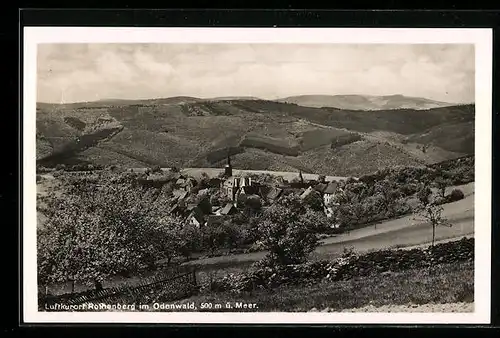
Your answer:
<point x="190" y="183"/>
<point x="270" y="194"/>
<point x="185" y="183"/>
<point x="321" y="187"/>
<point x="328" y="196"/>
<point x="330" y="191"/>
<point x="180" y="194"/>
<point x="306" y="193"/>
<point x="203" y="192"/>
<point x="177" y="209"/>
<point x="195" y="216"/>
<point x="181" y="181"/>
<point x="299" y="185"/>
<point x="281" y="180"/>
<point x="228" y="209"/>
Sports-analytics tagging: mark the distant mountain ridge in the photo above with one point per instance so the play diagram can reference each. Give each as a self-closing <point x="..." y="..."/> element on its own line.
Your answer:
<point x="346" y="102"/>
<point x="365" y="102"/>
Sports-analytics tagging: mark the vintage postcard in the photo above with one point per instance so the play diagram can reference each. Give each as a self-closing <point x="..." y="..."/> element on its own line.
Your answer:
<point x="215" y="175"/>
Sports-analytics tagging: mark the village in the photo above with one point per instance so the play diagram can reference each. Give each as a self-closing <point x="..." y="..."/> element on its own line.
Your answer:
<point x="228" y="194"/>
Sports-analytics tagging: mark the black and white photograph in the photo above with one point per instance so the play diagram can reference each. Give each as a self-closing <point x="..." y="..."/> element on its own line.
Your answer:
<point x="224" y="175"/>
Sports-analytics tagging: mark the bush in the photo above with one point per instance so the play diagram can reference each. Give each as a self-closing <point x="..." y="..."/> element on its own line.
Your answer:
<point x="456" y="195"/>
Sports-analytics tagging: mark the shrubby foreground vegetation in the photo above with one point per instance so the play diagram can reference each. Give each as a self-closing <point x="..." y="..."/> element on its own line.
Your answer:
<point x="108" y="223"/>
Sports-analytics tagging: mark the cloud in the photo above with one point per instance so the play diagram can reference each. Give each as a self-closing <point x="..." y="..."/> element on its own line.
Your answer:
<point x="86" y="71"/>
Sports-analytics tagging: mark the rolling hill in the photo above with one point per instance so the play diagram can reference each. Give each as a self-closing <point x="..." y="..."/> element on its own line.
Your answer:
<point x="364" y="102"/>
<point x="260" y="134"/>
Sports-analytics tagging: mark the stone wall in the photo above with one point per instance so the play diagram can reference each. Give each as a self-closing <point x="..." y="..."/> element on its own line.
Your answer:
<point x="350" y="265"/>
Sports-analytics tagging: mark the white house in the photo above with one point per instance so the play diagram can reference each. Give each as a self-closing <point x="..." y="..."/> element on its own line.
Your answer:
<point x="328" y="197"/>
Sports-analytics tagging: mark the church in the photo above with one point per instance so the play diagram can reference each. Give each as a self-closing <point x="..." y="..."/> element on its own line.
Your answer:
<point x="233" y="184"/>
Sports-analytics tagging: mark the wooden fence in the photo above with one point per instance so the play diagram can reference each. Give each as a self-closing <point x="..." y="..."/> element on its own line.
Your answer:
<point x="164" y="287"/>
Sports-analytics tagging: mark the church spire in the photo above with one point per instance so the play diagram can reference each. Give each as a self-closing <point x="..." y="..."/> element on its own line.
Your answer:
<point x="228" y="172"/>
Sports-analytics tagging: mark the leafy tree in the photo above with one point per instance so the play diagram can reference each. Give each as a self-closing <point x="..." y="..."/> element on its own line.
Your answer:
<point x="214" y="237"/>
<point x="250" y="205"/>
<point x="233" y="234"/>
<point x="433" y="214"/>
<point x="424" y="193"/>
<point x="190" y="240"/>
<point x="203" y="202"/>
<point x="314" y="201"/>
<point x="287" y="230"/>
<point x="388" y="194"/>
<point x="101" y="229"/>
<point x="441" y="184"/>
<point x="219" y="198"/>
<point x="167" y="237"/>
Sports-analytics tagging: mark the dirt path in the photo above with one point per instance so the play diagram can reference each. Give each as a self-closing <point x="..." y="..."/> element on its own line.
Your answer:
<point x="427" y="308"/>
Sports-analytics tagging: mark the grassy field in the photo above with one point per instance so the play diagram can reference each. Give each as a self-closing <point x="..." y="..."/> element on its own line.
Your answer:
<point x="449" y="283"/>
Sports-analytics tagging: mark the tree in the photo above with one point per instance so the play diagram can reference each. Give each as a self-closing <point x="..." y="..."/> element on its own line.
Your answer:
<point x="214" y="237"/>
<point x="100" y="228"/>
<point x="314" y="201"/>
<point x="233" y="234"/>
<point x="388" y="194"/>
<point x="190" y="240"/>
<point x="424" y="193"/>
<point x="441" y="184"/>
<point x="167" y="237"/>
<point x="288" y="230"/>
<point x="433" y="214"/>
<point x="219" y="198"/>
<point x="251" y="205"/>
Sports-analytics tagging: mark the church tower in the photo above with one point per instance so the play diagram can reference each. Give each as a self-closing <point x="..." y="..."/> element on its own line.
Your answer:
<point x="228" y="169"/>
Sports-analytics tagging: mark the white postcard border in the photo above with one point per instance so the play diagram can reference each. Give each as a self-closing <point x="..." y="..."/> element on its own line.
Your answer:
<point x="481" y="38"/>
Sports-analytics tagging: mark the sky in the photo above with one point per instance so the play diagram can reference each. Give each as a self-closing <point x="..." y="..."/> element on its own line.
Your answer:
<point x="89" y="72"/>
